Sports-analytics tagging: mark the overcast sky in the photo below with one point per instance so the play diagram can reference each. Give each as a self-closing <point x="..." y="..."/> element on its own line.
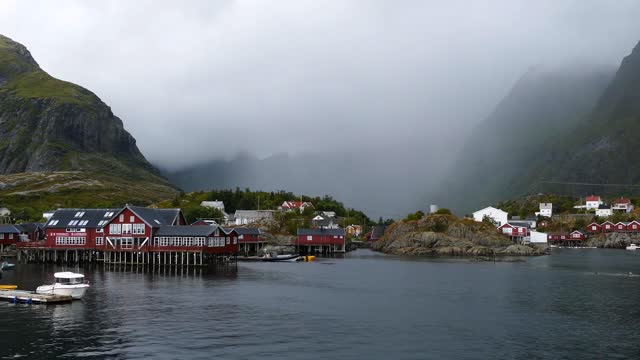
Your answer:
<point x="194" y="80"/>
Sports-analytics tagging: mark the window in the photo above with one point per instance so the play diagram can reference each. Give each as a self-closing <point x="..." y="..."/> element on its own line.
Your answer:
<point x="108" y="214"/>
<point x="126" y="243"/>
<point x="53" y="222"/>
<point x="99" y="230"/>
<point x="121" y="218"/>
<point x="241" y="237"/>
<point x="10" y="236"/>
<point x="99" y="241"/>
<point x="79" y="214"/>
<point x="115" y="229"/>
<point x="227" y="239"/>
<point x="132" y="218"/>
<point x="70" y="240"/>
<point x="138" y="229"/>
<point x="73" y="222"/>
<point x="126" y="228"/>
<point x="235" y="241"/>
<point x="309" y="237"/>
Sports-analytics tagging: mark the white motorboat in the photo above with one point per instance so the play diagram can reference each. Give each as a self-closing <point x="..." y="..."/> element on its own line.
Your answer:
<point x="633" y="247"/>
<point x="66" y="283"/>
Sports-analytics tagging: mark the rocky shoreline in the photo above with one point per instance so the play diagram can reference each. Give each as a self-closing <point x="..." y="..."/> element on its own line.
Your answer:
<point x="447" y="235"/>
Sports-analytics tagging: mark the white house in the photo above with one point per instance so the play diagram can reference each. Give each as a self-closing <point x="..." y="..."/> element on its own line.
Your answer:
<point x="537" y="237"/>
<point x="604" y="211"/>
<point x="546" y="210"/>
<point x="246" y="217"/>
<point x="4" y="211"/>
<point x="213" y="204"/>
<point x="593" y="202"/>
<point x="623" y="205"/>
<point x="498" y="216"/>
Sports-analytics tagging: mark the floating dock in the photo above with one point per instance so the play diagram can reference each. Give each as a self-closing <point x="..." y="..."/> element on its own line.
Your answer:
<point x="30" y="297"/>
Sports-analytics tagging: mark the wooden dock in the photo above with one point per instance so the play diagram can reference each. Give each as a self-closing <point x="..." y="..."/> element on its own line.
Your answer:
<point x="30" y="297"/>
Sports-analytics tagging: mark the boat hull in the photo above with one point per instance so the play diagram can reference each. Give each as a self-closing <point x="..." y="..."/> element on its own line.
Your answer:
<point x="75" y="291"/>
<point x="280" y="258"/>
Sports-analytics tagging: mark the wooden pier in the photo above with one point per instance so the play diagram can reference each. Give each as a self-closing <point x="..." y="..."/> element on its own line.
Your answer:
<point x="30" y="297"/>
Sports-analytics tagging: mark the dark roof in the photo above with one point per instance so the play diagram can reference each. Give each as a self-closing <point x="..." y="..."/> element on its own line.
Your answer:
<point x="156" y="217"/>
<point x="378" y="231"/>
<point x="248" y="231"/>
<point x="9" y="229"/>
<point x="30" y="227"/>
<point x="95" y="218"/>
<point x="185" y="230"/>
<point x="523" y="223"/>
<point x="330" y="232"/>
<point x="604" y="207"/>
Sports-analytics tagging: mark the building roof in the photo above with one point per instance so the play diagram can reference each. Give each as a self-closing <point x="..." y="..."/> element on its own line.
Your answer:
<point x="546" y="206"/>
<point x="604" y="207"/>
<point x="622" y="200"/>
<point x="29" y="227"/>
<point x="254" y="214"/>
<point x="248" y="231"/>
<point x="490" y="208"/>
<point x="592" y="198"/>
<point x="185" y="230"/>
<point x="524" y="224"/>
<point x="80" y="218"/>
<point x="156" y="217"/>
<point x="9" y="229"/>
<point x="213" y="204"/>
<point x="295" y="204"/>
<point x="377" y="232"/>
<point x="330" y="232"/>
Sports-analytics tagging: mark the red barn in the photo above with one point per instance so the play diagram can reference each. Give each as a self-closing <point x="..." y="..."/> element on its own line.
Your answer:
<point x="132" y="227"/>
<point x="77" y="228"/>
<point x="594" y="228"/>
<point x="577" y="235"/>
<point x="621" y="227"/>
<point x="9" y="234"/>
<point x="321" y="240"/>
<point x="250" y="240"/>
<point x="516" y="233"/>
<point x="607" y="226"/>
<point x="633" y="226"/>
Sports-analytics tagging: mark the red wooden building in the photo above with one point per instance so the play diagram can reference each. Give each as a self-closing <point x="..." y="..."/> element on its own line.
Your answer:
<point x="516" y="233"/>
<point x="185" y="238"/>
<point x="633" y="226"/>
<point x="607" y="226"/>
<point x="594" y="228"/>
<point x="77" y="228"/>
<point x="621" y="227"/>
<point x="250" y="240"/>
<point x="9" y="235"/>
<point x="321" y="240"/>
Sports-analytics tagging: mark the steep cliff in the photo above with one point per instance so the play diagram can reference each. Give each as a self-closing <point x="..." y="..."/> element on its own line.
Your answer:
<point x="49" y="126"/>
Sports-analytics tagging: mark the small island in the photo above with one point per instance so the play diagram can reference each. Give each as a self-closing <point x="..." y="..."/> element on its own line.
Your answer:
<point x="443" y="234"/>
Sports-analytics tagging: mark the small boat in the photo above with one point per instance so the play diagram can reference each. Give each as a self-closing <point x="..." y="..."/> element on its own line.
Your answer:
<point x="66" y="283"/>
<point x="282" y="258"/>
<point x="633" y="247"/>
<point x="7" y="266"/>
<point x="8" y="287"/>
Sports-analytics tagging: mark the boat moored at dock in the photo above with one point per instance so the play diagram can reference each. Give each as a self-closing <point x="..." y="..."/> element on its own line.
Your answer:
<point x="66" y="283"/>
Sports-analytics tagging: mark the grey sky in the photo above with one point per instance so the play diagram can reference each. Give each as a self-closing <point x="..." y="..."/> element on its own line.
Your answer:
<point x="196" y="80"/>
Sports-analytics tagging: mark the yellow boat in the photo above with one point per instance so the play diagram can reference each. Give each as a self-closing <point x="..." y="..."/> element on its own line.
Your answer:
<point x="309" y="258"/>
<point x="8" y="287"/>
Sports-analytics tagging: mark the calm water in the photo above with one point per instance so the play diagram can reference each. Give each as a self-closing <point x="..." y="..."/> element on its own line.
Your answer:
<point x="366" y="306"/>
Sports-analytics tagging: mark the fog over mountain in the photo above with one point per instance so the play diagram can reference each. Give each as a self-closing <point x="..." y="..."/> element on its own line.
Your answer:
<point x="369" y="101"/>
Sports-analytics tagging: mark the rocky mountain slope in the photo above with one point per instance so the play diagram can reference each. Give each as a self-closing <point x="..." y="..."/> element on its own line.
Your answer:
<point x="50" y="125"/>
<point x="539" y="109"/>
<point x="603" y="148"/>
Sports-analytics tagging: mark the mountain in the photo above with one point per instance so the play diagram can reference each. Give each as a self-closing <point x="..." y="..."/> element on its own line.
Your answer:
<point x="508" y="144"/>
<point x="49" y="125"/>
<point x="604" y="148"/>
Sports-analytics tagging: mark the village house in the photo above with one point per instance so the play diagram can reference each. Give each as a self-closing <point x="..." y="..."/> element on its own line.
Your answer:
<point x="591" y="203"/>
<point x="77" y="228"/>
<point x="295" y="205"/>
<point x="623" y="205"/>
<point x="498" y="216"/>
<point x="353" y="230"/>
<point x="31" y="231"/>
<point x="323" y="241"/>
<point x="194" y="239"/>
<point x="9" y="235"/>
<point x="594" y="228"/>
<point x="133" y="227"/>
<point x="325" y="222"/>
<point x="250" y="240"/>
<point x="518" y="234"/>
<point x="247" y="217"/>
<point x="546" y="210"/>
<point x="604" y="211"/>
<point x="607" y="226"/>
<point x="217" y="205"/>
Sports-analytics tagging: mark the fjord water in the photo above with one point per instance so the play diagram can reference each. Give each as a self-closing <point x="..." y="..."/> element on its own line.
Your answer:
<point x="573" y="304"/>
